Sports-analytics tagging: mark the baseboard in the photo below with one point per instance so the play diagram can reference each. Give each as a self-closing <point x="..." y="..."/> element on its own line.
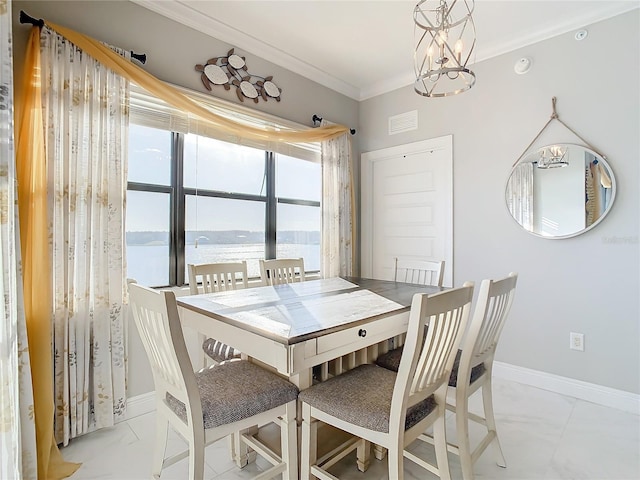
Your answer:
<point x="140" y="404"/>
<point x="609" y="397"/>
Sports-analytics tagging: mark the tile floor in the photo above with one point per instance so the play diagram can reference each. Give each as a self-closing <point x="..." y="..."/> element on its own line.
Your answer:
<point x="544" y="435"/>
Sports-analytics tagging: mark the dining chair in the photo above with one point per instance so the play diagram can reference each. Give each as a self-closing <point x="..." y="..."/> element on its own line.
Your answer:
<point x="208" y="405"/>
<point x="281" y="270"/>
<point x="390" y="408"/>
<point x="420" y="272"/>
<point x="217" y="277"/>
<point x="474" y="370"/>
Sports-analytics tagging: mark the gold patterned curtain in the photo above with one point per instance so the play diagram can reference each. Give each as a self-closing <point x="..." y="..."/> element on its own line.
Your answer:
<point x="17" y="431"/>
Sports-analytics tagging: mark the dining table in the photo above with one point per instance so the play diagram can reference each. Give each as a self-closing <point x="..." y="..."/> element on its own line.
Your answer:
<point x="306" y="331"/>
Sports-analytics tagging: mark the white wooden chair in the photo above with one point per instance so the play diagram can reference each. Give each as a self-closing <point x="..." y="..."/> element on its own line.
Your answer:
<point x="420" y="272"/>
<point x="282" y="270"/>
<point x="217" y="277"/>
<point x="475" y="367"/>
<point x="213" y="403"/>
<point x="387" y="408"/>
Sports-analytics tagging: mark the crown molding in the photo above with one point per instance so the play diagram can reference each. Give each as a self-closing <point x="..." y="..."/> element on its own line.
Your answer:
<point x="186" y="15"/>
<point x="607" y="11"/>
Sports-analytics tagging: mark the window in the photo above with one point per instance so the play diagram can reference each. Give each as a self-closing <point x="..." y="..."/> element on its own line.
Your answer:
<point x="196" y="199"/>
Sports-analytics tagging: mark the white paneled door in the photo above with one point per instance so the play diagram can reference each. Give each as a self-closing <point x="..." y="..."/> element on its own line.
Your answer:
<point x="407" y="206"/>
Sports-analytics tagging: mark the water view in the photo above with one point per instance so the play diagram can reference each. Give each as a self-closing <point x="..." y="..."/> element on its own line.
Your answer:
<point x="149" y="264"/>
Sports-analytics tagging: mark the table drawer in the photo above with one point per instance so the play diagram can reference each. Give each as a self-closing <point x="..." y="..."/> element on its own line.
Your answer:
<point x="364" y="334"/>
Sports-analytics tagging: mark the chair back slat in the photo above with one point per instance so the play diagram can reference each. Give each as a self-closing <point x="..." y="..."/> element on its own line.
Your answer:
<point x="427" y="360"/>
<point x="217" y="277"/>
<point x="282" y="270"/>
<point x="420" y="272"/>
<point x="156" y="316"/>
<point x="494" y="303"/>
<point x="446" y="325"/>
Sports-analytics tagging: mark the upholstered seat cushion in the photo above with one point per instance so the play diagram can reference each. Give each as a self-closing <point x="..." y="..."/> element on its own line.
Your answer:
<point x="391" y="361"/>
<point x="234" y="391"/>
<point x="218" y="351"/>
<point x="362" y="397"/>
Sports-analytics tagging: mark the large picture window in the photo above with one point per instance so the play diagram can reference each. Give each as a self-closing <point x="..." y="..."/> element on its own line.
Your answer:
<point x="195" y="199"/>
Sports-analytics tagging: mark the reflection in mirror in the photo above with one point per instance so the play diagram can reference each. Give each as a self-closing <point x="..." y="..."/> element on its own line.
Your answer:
<point x="560" y="191"/>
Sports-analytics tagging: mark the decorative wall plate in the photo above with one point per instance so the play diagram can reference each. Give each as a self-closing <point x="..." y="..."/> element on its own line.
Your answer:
<point x="232" y="70"/>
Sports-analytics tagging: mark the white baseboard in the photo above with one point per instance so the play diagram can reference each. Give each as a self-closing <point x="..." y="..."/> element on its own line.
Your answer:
<point x="140" y="404"/>
<point x="609" y="397"/>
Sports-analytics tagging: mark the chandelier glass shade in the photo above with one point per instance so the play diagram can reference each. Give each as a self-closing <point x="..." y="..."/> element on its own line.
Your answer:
<point x="445" y="37"/>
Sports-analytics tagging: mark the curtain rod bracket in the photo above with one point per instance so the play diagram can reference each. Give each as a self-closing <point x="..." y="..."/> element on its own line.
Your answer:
<point x="141" y="57"/>
<point x="24" y="18"/>
<point x="316" y="119"/>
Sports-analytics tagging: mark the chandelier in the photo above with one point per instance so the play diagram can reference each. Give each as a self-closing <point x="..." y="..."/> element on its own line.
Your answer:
<point x="445" y="37"/>
<point x="552" y="156"/>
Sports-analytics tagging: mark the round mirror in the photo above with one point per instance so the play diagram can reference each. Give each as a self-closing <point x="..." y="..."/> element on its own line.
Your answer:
<point x="560" y="191"/>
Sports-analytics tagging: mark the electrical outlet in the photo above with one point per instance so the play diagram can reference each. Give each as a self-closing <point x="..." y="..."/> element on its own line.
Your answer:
<point x="576" y="341"/>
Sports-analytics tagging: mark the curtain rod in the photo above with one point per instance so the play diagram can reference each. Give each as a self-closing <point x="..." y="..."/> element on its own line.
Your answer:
<point x="316" y="119"/>
<point x="24" y="18"/>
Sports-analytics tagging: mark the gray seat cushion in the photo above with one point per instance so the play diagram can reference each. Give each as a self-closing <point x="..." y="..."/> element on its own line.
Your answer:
<point x="362" y="397"/>
<point x="391" y="361"/>
<point x="218" y="351"/>
<point x="234" y="391"/>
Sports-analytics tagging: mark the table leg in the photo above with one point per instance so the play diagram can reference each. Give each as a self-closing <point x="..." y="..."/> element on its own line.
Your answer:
<point x="240" y="452"/>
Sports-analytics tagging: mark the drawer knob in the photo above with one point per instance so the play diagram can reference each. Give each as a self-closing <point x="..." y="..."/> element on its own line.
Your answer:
<point x="362" y="333"/>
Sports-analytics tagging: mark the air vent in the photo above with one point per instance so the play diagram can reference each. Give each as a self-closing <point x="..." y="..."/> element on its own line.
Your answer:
<point x="404" y="122"/>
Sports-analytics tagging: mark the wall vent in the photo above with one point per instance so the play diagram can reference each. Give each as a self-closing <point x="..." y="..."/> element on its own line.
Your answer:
<point x="404" y="122"/>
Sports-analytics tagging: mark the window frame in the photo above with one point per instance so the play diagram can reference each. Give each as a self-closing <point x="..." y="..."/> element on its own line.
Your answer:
<point x="177" y="201"/>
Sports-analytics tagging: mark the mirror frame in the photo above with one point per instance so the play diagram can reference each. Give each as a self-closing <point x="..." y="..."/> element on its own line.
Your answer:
<point x="601" y="158"/>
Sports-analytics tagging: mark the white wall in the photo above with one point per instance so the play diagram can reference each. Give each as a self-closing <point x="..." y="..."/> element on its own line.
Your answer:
<point x="587" y="284"/>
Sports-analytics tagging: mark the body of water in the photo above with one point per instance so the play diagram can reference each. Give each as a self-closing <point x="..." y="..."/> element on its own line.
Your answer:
<point x="149" y="264"/>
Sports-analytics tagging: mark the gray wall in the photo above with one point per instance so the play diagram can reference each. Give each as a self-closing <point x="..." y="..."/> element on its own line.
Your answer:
<point x="586" y="284"/>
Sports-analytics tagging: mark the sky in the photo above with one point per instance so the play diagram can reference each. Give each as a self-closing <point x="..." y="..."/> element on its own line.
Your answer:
<point x="216" y="165"/>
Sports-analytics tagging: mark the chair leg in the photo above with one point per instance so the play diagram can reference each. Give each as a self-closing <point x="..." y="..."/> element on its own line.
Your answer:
<point x="309" y="443"/>
<point x="289" y="442"/>
<point x="242" y="454"/>
<point x="487" y="402"/>
<point x="162" y="429"/>
<point x="196" y="456"/>
<point x="462" y="429"/>
<point x="440" y="444"/>
<point x="396" y="462"/>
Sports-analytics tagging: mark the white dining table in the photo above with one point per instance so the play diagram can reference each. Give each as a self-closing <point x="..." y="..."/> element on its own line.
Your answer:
<point x="295" y="327"/>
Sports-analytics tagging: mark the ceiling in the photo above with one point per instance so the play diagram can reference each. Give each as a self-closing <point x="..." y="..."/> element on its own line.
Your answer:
<point x="365" y="48"/>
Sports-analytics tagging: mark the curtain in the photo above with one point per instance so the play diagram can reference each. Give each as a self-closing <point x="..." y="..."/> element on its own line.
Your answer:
<point x="17" y="434"/>
<point x="86" y="125"/>
<point x="174" y="97"/>
<point x="520" y="194"/>
<point x="337" y="207"/>
<point x="36" y="281"/>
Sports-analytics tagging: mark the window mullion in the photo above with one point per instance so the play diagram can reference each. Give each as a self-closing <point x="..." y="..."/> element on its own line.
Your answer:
<point x="177" y="261"/>
<point x="271" y="207"/>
